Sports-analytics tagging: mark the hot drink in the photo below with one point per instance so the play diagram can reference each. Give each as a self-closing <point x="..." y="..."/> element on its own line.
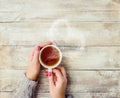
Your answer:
<point x="50" y="56"/>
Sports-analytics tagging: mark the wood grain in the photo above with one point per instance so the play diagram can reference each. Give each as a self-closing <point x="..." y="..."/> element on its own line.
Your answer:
<point x="16" y="57"/>
<point x="15" y="5"/>
<point x="87" y="32"/>
<point x="79" y="34"/>
<point x="78" y="81"/>
<point x="86" y="95"/>
<point x="27" y="10"/>
<point x="81" y="16"/>
<point x="75" y="95"/>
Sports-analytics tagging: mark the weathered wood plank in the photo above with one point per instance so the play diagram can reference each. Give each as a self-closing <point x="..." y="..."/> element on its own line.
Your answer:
<point x="15" y="5"/>
<point x="75" y="95"/>
<point x="79" y="34"/>
<point x="78" y="81"/>
<point x="86" y="95"/>
<point x="6" y="94"/>
<point x="25" y="23"/>
<point x="81" y="16"/>
<point x="73" y="58"/>
<point x="79" y="10"/>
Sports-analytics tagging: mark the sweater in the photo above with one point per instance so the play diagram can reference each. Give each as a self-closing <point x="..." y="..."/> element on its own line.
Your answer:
<point x="27" y="89"/>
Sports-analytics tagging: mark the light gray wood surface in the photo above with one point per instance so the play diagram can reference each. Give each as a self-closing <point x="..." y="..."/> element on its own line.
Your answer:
<point x="86" y="31"/>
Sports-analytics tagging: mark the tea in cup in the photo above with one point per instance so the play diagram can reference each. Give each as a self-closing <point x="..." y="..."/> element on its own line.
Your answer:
<point x="50" y="57"/>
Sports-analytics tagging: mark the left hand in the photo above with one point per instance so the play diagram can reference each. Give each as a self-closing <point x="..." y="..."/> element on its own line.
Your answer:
<point x="34" y="67"/>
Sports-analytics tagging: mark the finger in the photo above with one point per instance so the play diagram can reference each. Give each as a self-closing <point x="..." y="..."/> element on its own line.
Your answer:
<point x="62" y="69"/>
<point x="46" y="74"/>
<point x="58" y="74"/>
<point x="36" y="56"/>
<point x="55" y="79"/>
<point x="51" y="80"/>
<point x="45" y="43"/>
<point x="36" y="48"/>
<point x="31" y="54"/>
<point x="49" y="74"/>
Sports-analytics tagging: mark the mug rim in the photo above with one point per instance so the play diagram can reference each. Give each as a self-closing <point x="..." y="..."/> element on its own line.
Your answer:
<point x="55" y="65"/>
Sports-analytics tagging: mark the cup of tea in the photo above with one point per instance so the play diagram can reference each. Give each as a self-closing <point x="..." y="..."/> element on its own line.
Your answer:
<point x="50" y="57"/>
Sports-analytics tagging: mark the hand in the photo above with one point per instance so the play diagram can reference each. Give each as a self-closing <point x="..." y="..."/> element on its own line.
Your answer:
<point x="34" y="64"/>
<point x="58" y="83"/>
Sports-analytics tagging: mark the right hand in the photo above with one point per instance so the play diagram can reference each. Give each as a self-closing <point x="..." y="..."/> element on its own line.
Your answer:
<point x="58" y="82"/>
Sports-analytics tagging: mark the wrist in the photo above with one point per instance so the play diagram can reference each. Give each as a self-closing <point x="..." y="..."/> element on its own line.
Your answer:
<point x="59" y="96"/>
<point x="30" y="77"/>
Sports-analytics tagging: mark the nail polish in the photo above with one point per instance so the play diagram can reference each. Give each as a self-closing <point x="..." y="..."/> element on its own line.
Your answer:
<point x="49" y="74"/>
<point x="38" y="48"/>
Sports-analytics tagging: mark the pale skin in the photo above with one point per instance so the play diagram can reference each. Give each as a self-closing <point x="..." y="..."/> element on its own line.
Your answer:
<point x="57" y="80"/>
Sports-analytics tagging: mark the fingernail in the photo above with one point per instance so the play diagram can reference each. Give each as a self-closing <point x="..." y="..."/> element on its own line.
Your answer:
<point x="38" y="48"/>
<point x="49" y="74"/>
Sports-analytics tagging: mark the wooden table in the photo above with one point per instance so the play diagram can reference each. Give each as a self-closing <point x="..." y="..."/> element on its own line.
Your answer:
<point x="91" y="49"/>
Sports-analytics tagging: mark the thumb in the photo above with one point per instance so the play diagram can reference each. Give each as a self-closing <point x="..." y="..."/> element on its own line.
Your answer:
<point x="51" y="81"/>
<point x="36" y="56"/>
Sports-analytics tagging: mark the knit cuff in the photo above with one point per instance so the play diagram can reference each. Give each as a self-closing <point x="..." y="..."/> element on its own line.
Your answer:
<point x="27" y="82"/>
<point x="26" y="88"/>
